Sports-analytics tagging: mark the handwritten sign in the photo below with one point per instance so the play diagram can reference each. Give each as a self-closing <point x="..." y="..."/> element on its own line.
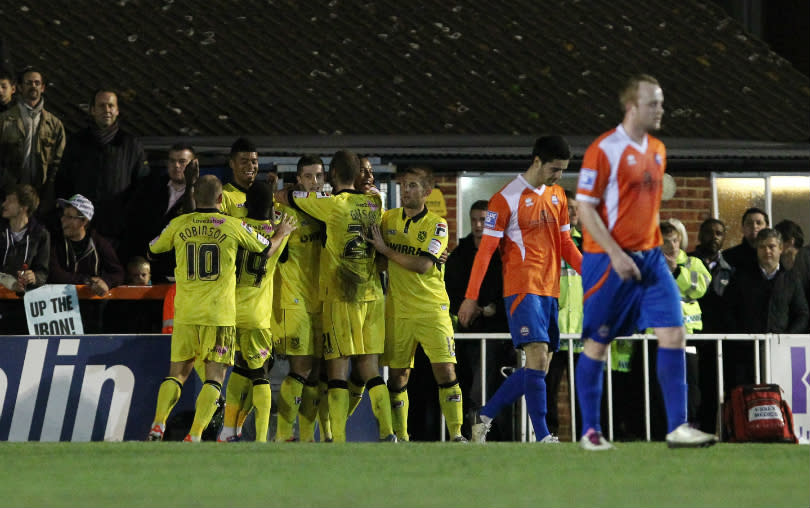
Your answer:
<point x="53" y="309"/>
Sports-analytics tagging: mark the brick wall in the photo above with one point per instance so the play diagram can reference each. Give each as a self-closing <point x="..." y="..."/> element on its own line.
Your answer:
<point x="691" y="204"/>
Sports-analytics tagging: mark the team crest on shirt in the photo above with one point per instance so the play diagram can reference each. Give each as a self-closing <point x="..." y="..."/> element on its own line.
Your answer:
<point x="295" y="343"/>
<point x="603" y="331"/>
<point x="528" y="201"/>
<point x="587" y="178"/>
<point x="441" y="230"/>
<point x="492" y="218"/>
<point x="524" y="331"/>
<point x="554" y="200"/>
<point x="631" y="160"/>
<point x="421" y="236"/>
<point x="435" y="247"/>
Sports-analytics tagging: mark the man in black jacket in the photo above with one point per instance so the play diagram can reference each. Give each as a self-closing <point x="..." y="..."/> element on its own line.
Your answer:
<point x="767" y="299"/>
<point x="157" y="200"/>
<point x="103" y="163"/>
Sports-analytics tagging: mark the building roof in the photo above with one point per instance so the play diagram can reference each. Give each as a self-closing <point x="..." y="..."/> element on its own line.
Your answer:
<point x="425" y="69"/>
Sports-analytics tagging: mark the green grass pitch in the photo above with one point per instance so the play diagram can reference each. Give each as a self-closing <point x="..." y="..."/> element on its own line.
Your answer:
<point x="404" y="474"/>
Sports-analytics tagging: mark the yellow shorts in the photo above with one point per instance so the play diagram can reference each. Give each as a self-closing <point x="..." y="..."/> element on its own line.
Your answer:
<point x="434" y="333"/>
<point x="255" y="344"/>
<point x="297" y="332"/>
<point x="205" y="342"/>
<point x="353" y="328"/>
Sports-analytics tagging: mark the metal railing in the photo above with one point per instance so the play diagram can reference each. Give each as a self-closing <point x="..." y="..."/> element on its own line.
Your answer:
<point x="526" y="432"/>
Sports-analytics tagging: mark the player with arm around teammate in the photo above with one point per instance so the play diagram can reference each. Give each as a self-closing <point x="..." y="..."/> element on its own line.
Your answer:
<point x="205" y="244"/>
<point x="417" y="306"/>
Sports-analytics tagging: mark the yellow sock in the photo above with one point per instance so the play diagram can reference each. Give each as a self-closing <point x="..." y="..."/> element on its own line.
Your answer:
<point x="308" y="412"/>
<point x="323" y="412"/>
<point x="355" y="394"/>
<point x="235" y="394"/>
<point x="262" y="399"/>
<point x="450" y="403"/>
<point x="338" y="409"/>
<point x="168" y="395"/>
<point x="288" y="403"/>
<point x="206" y="406"/>
<point x="399" y="412"/>
<point x="244" y="411"/>
<point x="380" y="405"/>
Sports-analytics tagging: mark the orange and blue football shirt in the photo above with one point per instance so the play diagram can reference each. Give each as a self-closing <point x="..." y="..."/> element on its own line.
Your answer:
<point x="624" y="181"/>
<point x="530" y="225"/>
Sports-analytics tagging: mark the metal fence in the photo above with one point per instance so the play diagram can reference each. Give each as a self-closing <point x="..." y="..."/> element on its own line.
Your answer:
<point x="526" y="432"/>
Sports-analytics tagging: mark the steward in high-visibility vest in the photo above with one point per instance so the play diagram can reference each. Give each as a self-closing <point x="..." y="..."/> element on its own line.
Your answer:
<point x="570" y="301"/>
<point x="693" y="279"/>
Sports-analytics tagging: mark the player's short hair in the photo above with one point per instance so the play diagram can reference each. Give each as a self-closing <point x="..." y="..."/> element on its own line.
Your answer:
<point x="766" y="233"/>
<point x="790" y="230"/>
<point x="423" y="173"/>
<point x="344" y="167"/>
<point x="307" y="160"/>
<point x="481" y="204"/>
<point x="629" y="92"/>
<point x="259" y="198"/>
<point x="754" y="210"/>
<point x="182" y="145"/>
<point x="206" y="191"/>
<point x="242" y="144"/>
<point x="26" y="196"/>
<point x="550" y="148"/>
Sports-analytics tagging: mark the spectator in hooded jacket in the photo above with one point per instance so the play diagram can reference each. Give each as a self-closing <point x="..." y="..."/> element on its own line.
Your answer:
<point x="80" y="255"/>
<point x="25" y="249"/>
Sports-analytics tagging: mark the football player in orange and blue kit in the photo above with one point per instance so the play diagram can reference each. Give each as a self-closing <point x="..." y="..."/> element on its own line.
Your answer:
<point x="528" y="221"/>
<point x="627" y="285"/>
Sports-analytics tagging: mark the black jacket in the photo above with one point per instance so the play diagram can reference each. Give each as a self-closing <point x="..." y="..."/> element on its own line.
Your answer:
<point x="146" y="216"/>
<point x="34" y="249"/>
<point x="104" y="174"/>
<point x="457" y="274"/>
<point x="97" y="259"/>
<point x="759" y="305"/>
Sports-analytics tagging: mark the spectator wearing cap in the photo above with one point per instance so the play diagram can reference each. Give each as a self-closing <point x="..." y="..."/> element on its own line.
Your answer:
<point x="79" y="255"/>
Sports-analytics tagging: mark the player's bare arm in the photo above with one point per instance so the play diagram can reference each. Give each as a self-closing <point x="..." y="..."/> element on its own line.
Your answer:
<point x="619" y="260"/>
<point x="191" y="174"/>
<point x="468" y="311"/>
<point x="285" y="226"/>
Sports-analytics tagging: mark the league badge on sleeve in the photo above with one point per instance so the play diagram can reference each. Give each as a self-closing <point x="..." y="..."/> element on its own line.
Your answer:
<point x="435" y="247"/>
<point x="587" y="179"/>
<point x="492" y="218"/>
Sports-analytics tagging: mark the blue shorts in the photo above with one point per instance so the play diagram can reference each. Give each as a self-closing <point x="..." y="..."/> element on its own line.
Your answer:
<point x="533" y="318"/>
<point x="615" y="308"/>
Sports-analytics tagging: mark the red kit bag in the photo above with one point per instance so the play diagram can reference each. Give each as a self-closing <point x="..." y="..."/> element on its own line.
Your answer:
<point x="757" y="413"/>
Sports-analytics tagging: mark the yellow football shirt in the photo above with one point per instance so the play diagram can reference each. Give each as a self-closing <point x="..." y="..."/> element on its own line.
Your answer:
<point x="254" y="280"/>
<point x="348" y="272"/>
<point x="296" y="276"/>
<point x="233" y="200"/>
<point x="205" y="243"/>
<point x="424" y="234"/>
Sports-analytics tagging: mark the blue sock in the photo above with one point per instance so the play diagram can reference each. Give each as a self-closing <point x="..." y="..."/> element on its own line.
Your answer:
<point x="671" y="368"/>
<point x="506" y="394"/>
<point x="589" y="381"/>
<point x="535" y="391"/>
